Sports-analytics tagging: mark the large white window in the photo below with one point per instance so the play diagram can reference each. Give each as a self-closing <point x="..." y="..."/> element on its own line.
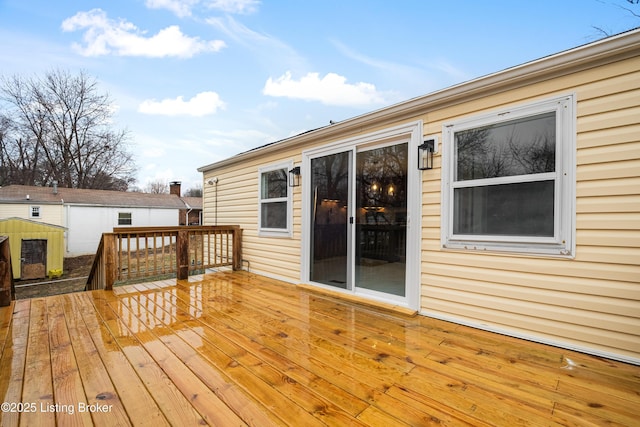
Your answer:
<point x="275" y="210"/>
<point x="509" y="180"/>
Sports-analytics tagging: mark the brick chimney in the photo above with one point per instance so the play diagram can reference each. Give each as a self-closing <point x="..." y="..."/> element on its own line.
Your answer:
<point x="174" y="188"/>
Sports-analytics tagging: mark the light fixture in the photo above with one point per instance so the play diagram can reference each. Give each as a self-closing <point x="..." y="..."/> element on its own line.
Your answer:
<point x="294" y="177"/>
<point x="425" y="154"/>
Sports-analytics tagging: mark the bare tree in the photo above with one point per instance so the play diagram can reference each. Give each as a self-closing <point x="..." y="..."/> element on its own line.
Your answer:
<point x="157" y="187"/>
<point x="194" y="192"/>
<point x="60" y="128"/>
<point x="629" y="7"/>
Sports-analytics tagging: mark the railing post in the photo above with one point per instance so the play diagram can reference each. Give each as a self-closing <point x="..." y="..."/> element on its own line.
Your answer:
<point x="237" y="248"/>
<point x="110" y="264"/>
<point x="182" y="258"/>
<point x="7" y="291"/>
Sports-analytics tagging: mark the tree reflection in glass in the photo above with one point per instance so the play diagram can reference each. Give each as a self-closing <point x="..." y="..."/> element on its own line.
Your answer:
<point x="520" y="206"/>
<point x="329" y="209"/>
<point x="381" y="219"/>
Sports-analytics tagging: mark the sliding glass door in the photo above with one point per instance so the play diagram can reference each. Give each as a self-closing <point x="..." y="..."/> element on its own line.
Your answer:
<point x="381" y="219"/>
<point x="329" y="206"/>
<point x="358" y="221"/>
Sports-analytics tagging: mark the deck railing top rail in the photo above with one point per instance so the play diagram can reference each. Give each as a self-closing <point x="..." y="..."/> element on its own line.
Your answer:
<point x="137" y="230"/>
<point x="138" y="253"/>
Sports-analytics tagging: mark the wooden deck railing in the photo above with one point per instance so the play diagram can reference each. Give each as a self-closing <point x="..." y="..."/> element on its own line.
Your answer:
<point x="7" y="291"/>
<point x="134" y="254"/>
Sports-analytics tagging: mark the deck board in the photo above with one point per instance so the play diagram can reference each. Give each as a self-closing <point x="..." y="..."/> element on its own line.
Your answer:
<point x="38" y="382"/>
<point x="175" y="407"/>
<point x="233" y="348"/>
<point x="13" y="361"/>
<point x="68" y="388"/>
<point x="135" y="397"/>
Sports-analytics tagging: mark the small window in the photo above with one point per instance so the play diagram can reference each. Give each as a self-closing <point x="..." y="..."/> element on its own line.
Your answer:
<point x="509" y="182"/>
<point x="275" y="200"/>
<point x="35" y="212"/>
<point x="124" y="218"/>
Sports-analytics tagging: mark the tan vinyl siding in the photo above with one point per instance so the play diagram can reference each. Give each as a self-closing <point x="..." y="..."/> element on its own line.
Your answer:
<point x="50" y="214"/>
<point x="14" y="210"/>
<point x="592" y="301"/>
<point x="238" y="204"/>
<point x="588" y="302"/>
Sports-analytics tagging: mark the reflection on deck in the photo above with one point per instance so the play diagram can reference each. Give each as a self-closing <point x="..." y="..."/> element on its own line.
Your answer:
<point x="234" y="348"/>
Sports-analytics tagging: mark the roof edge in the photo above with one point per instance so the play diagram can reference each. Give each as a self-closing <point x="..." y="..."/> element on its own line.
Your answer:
<point x="30" y="221"/>
<point x="610" y="49"/>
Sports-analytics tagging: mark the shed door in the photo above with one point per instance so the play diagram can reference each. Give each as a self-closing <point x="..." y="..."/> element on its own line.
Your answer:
<point x="33" y="259"/>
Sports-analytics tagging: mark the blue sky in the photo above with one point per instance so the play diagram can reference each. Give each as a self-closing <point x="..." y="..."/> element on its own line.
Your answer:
<point x="197" y="81"/>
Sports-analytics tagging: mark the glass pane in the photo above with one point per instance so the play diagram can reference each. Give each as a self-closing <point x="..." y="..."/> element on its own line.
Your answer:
<point x="274" y="184"/>
<point x="524" y="209"/>
<point x="329" y="200"/>
<point x="381" y="219"/>
<point x="517" y="147"/>
<point x="124" y="218"/>
<point x="274" y="215"/>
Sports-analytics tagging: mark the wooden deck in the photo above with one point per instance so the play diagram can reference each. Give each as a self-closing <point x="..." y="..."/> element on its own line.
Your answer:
<point x="234" y="348"/>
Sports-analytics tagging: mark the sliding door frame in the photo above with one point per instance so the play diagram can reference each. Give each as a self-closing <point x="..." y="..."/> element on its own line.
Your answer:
<point x="411" y="133"/>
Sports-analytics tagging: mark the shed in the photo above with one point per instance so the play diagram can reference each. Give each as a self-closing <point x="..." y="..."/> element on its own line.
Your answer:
<point x="87" y="213"/>
<point x="37" y="249"/>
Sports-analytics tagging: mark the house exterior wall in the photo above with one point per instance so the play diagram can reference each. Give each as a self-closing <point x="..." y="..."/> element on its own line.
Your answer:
<point x="234" y="200"/>
<point x="237" y="203"/>
<point x="190" y="216"/>
<point x="589" y="301"/>
<point x="87" y="223"/>
<point x="49" y="214"/>
<point x="18" y="230"/>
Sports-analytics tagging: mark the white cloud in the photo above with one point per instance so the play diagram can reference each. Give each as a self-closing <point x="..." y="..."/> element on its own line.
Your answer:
<point x="105" y="36"/>
<point x="242" y="34"/>
<point x="267" y="48"/>
<point x="180" y="8"/>
<point x="331" y="89"/>
<point x="235" y="6"/>
<point x="450" y="70"/>
<point x="267" y="106"/>
<point x="372" y="62"/>
<point x="202" y="104"/>
<point x="184" y="8"/>
<point x="154" y="152"/>
<point x="241" y="139"/>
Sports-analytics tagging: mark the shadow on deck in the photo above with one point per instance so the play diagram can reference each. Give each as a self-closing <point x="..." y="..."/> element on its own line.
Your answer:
<point x="233" y="348"/>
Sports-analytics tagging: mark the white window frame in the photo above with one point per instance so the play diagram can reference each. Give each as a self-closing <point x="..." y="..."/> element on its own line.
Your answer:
<point x="562" y="243"/>
<point x="35" y="212"/>
<point x="412" y="132"/>
<point x="130" y="217"/>
<point x="276" y="232"/>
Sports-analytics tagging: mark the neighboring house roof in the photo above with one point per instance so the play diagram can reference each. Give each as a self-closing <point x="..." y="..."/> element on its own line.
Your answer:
<point x="78" y="196"/>
<point x="37" y="224"/>
<point x="192" y="202"/>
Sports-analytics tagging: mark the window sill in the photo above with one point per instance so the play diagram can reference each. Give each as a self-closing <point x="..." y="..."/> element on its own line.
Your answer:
<point x="527" y="250"/>
<point x="275" y="233"/>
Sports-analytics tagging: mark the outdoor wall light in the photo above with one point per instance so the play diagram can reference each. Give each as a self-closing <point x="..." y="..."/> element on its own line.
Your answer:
<point x="425" y="154"/>
<point x="294" y="177"/>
